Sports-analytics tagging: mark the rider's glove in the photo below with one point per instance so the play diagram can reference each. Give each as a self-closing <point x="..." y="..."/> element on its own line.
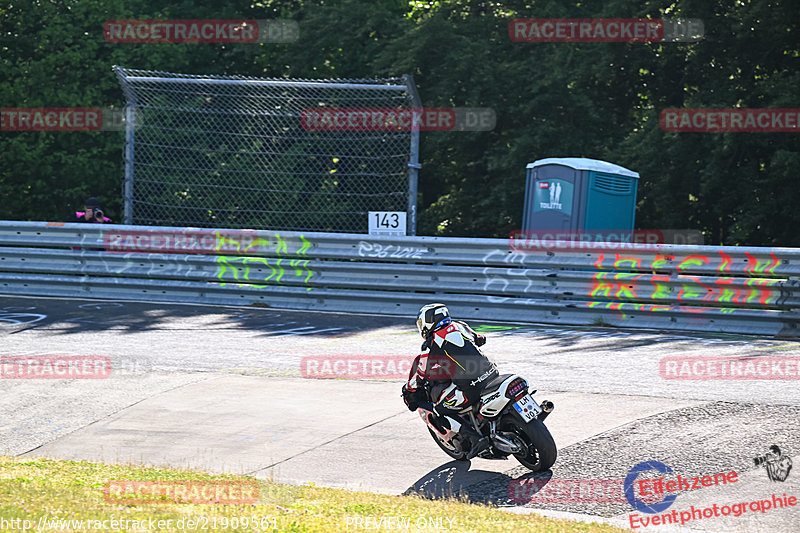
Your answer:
<point x="480" y="340"/>
<point x="412" y="397"/>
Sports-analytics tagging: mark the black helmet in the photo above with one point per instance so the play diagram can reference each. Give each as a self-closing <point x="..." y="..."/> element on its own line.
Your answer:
<point x="431" y="317"/>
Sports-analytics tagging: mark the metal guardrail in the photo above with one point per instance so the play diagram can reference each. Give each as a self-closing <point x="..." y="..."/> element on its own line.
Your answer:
<point x="668" y="287"/>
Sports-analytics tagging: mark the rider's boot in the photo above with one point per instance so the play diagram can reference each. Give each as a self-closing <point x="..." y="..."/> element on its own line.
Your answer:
<point x="479" y="443"/>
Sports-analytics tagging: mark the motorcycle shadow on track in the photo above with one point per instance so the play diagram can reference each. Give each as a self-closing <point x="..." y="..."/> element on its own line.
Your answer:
<point x="455" y="479"/>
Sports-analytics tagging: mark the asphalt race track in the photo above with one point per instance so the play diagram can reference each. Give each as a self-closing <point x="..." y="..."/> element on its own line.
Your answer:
<point x="222" y="389"/>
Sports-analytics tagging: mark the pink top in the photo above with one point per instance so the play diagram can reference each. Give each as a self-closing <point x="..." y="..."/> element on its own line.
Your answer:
<point x="81" y="214"/>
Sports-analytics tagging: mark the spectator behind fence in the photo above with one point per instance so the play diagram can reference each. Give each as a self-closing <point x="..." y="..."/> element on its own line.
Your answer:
<point x="92" y="213"/>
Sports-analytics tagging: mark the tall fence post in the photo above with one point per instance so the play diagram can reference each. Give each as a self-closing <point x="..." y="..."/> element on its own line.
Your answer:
<point x="413" y="161"/>
<point x="127" y="187"/>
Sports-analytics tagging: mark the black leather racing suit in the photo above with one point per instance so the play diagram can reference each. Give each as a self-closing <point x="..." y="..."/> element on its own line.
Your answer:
<point x="455" y="367"/>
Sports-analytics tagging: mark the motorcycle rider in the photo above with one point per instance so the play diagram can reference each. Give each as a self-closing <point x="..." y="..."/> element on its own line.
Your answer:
<point x="455" y="369"/>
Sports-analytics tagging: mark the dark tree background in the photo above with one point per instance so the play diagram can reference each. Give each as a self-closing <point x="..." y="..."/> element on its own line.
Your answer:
<point x="598" y="100"/>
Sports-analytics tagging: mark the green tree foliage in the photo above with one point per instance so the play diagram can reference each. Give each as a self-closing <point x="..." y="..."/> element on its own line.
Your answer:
<point x="599" y="100"/>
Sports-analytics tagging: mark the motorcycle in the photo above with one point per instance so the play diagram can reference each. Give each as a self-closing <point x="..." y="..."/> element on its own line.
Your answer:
<point x="509" y="415"/>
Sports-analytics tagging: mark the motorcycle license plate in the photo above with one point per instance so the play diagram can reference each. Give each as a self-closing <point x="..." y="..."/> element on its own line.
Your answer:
<point x="527" y="407"/>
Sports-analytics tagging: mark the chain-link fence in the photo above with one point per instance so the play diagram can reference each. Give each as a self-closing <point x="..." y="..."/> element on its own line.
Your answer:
<point x="234" y="152"/>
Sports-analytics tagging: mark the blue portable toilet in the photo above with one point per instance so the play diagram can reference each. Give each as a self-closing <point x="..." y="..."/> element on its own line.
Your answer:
<point x="575" y="193"/>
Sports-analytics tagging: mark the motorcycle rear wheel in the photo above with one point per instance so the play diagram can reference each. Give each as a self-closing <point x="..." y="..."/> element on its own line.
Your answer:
<point x="540" y="450"/>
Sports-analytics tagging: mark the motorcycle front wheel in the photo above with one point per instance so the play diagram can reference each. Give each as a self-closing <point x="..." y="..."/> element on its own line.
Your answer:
<point x="447" y="448"/>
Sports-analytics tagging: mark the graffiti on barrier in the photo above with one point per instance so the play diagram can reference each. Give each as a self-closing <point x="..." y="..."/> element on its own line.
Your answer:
<point x="721" y="262"/>
<point x="389" y="251"/>
<point x="689" y="289"/>
<point x="498" y="281"/>
<point x="240" y="267"/>
<point x="643" y="286"/>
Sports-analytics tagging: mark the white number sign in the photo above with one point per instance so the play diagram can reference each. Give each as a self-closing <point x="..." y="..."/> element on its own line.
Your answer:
<point x="387" y="223"/>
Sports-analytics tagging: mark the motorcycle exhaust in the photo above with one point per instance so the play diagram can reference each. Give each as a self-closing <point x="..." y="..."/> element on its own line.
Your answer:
<point x="547" y="408"/>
